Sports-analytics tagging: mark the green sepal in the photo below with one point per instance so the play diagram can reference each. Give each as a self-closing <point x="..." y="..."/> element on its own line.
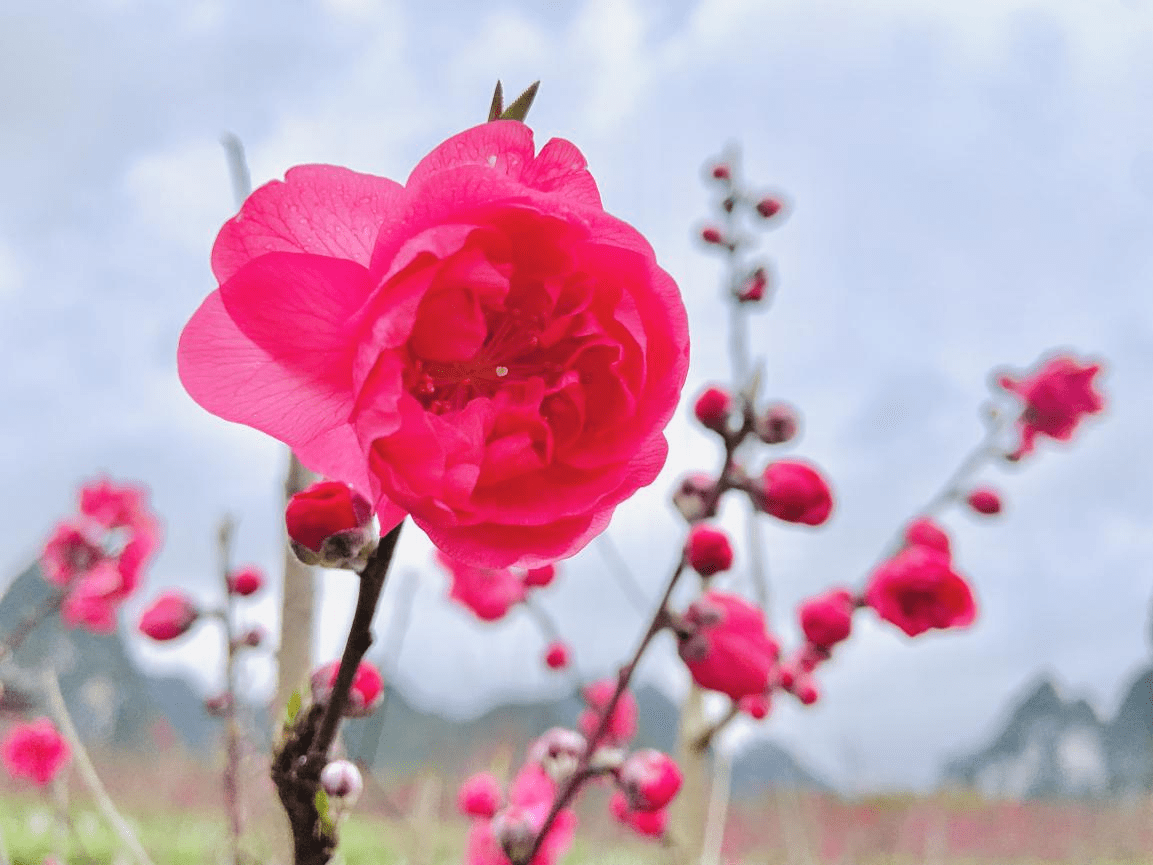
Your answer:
<point x="497" y="106"/>
<point x="292" y="708"/>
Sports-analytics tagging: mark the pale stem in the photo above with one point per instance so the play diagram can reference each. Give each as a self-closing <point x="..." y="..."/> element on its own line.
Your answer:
<point x="231" y="775"/>
<point x="628" y="583"/>
<point x="87" y="771"/>
<point x="718" y="809"/>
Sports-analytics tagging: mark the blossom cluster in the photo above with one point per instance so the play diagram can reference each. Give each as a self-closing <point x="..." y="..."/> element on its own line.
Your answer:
<point x="97" y="557"/>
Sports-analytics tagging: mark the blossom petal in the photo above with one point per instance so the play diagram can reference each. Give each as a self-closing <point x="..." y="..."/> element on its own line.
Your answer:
<point x="320" y="209"/>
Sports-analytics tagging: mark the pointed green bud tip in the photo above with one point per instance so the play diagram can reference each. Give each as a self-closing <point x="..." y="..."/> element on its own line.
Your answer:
<point x="518" y="110"/>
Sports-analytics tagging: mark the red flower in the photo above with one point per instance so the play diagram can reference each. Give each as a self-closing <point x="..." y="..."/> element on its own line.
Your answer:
<point x="623" y="721"/>
<point x="729" y="651"/>
<point x="985" y="501"/>
<point x="170" y="616"/>
<point x="795" y="492"/>
<point x="1056" y="397"/>
<point x="366" y="693"/>
<point x="483" y="348"/>
<point x="34" y="751"/>
<point x="708" y="550"/>
<point x="828" y="619"/>
<point x="246" y="581"/>
<point x="917" y="590"/>
<point x="489" y="592"/>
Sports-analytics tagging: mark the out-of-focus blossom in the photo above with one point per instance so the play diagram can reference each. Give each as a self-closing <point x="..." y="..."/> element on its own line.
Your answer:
<point x="1056" y="396"/>
<point x="35" y="751"/>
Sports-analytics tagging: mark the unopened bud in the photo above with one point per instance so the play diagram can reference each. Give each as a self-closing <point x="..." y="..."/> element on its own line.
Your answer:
<point x="712" y="409"/>
<point x="768" y="207"/>
<point x="693" y="496"/>
<point x="341" y="780"/>
<point x="245" y="581"/>
<point x="556" y="656"/>
<point x="721" y="171"/>
<point x="366" y="693"/>
<point x="777" y="424"/>
<point x="515" y="831"/>
<point x="219" y="706"/>
<point x="985" y="501"/>
<point x="330" y="525"/>
<point x="558" y="751"/>
<point x="712" y="234"/>
<point x="171" y="615"/>
<point x="754" y="287"/>
<point x="252" y="638"/>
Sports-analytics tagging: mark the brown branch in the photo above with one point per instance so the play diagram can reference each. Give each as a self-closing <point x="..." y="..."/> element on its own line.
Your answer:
<point x="27" y="625"/>
<point x="297" y="765"/>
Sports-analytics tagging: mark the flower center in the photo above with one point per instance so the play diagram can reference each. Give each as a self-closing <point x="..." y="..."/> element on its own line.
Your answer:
<point x="510" y="353"/>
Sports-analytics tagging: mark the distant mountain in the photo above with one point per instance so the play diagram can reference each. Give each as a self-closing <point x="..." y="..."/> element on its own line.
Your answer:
<point x="1053" y="747"/>
<point x="115" y="703"/>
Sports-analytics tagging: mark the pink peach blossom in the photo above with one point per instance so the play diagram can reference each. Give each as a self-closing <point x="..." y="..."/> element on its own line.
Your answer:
<point x="828" y="619"/>
<point x="483" y="348"/>
<point x="917" y="590"/>
<point x="169" y="616"/>
<point x="729" y="650"/>
<point x="35" y="751"/>
<point x="489" y="592"/>
<point x="623" y="721"/>
<point x="1056" y="396"/>
<point x="794" y="491"/>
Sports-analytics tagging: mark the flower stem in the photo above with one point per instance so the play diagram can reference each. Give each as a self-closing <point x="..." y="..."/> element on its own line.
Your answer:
<point x="297" y="765"/>
<point x="231" y="775"/>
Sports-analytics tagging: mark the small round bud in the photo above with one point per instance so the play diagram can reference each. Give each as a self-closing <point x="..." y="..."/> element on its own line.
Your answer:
<point x="709" y="550"/>
<point x="556" y="656"/>
<point x="805" y="690"/>
<point x="219" y="706"/>
<point x="712" y="234"/>
<point x="538" y="578"/>
<point x="768" y="207"/>
<point x="558" y="751"/>
<point x="366" y="693"/>
<point x="721" y="171"/>
<point x="777" y="424"/>
<point x="479" y="796"/>
<point x="171" y="615"/>
<point x="515" y="831"/>
<point x="650" y="779"/>
<point x="756" y="706"/>
<point x="245" y="581"/>
<point x="754" y="287"/>
<point x="795" y="492"/>
<point x="985" y="501"/>
<point x="341" y="780"/>
<point x="330" y="525"/>
<point x="712" y="409"/>
<point x="693" y="495"/>
<point x="253" y="638"/>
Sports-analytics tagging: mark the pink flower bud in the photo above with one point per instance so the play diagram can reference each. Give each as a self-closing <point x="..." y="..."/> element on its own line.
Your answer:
<point x="793" y="491"/>
<point x="923" y="532"/>
<point x="538" y="578"/>
<point x="556" y="657"/>
<point x="693" y="495"/>
<point x="805" y="690"/>
<point x="753" y="290"/>
<point x="246" y="581"/>
<point x="712" y="409"/>
<point x="35" y="751"/>
<point x="711" y="234"/>
<point x="364" y="696"/>
<point x="786" y="676"/>
<point x="651" y="824"/>
<point x="756" y="706"/>
<point x="170" y="616"/>
<point x="479" y="795"/>
<point x="330" y="525"/>
<point x="557" y="752"/>
<point x="777" y="424"/>
<point x="730" y="650"/>
<point x="252" y="638"/>
<point x="219" y="706"/>
<point x="768" y="207"/>
<point x="708" y="550"/>
<point x="650" y="779"/>
<point x="488" y="592"/>
<point x="341" y="780"/>
<point x="827" y="619"/>
<point x="623" y="721"/>
<point x="721" y="171"/>
<point x="985" y="501"/>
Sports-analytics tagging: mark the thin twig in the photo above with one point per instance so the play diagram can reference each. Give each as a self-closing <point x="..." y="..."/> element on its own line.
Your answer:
<point x="27" y="625"/>
<point x="297" y="765"/>
<point x="87" y="771"/>
<point x="706" y="738"/>
<point x="620" y="568"/>
<point x="231" y="776"/>
<point x="551" y="635"/>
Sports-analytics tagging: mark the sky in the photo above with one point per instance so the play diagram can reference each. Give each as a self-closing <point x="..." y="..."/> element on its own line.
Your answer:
<point x="970" y="185"/>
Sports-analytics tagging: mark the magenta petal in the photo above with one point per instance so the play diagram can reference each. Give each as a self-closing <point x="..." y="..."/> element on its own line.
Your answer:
<point x="318" y="209"/>
<point x="560" y="167"/>
<point x="232" y="377"/>
<point x="505" y="146"/>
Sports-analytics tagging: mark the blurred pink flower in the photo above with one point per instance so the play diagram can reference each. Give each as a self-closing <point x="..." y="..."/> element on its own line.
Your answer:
<point x="828" y="619"/>
<point x="623" y="721"/>
<point x="1056" y="396"/>
<point x="484" y="347"/>
<point x="794" y="491"/>
<point x="35" y="751"/>
<point x="169" y="616"/>
<point x="729" y="650"/>
<point x="917" y="590"/>
<point x="489" y="592"/>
